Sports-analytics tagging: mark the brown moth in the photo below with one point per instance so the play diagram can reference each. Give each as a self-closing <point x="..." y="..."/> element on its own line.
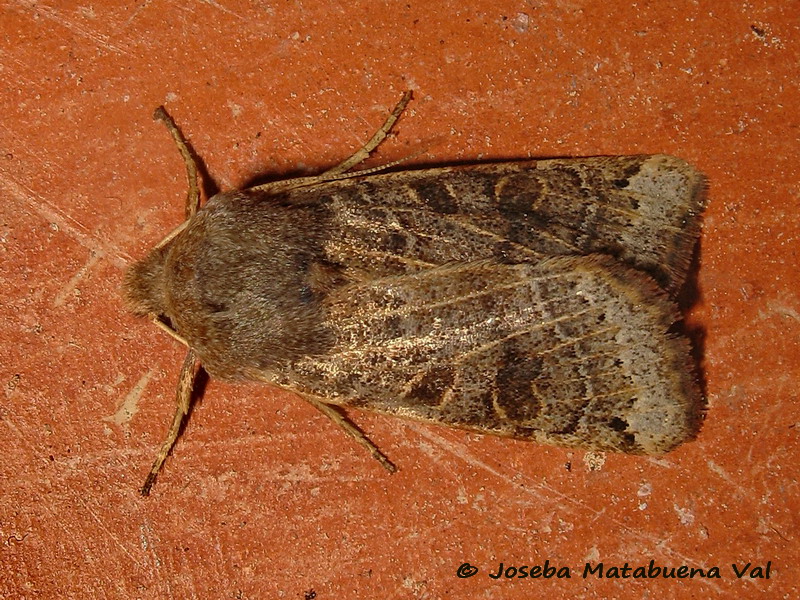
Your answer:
<point x="531" y="299"/>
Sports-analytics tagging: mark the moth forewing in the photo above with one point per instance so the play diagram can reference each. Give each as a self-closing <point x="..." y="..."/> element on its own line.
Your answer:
<point x="572" y="351"/>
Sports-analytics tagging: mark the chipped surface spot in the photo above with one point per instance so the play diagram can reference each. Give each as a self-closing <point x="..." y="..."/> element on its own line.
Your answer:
<point x="130" y="405"/>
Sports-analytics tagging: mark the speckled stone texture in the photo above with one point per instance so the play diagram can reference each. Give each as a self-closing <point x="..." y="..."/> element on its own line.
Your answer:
<point x="263" y="497"/>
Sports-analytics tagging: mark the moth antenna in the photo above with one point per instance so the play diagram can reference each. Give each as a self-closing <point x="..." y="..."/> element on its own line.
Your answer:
<point x="363" y="153"/>
<point x="193" y="193"/>
<point x="183" y="400"/>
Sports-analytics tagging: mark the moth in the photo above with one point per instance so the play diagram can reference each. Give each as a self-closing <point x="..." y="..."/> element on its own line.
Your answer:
<point x="530" y="299"/>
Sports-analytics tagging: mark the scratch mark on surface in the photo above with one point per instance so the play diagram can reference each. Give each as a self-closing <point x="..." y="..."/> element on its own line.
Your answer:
<point x="108" y="532"/>
<point x="147" y="545"/>
<point x="135" y="14"/>
<point x="130" y="405"/>
<point x="70" y="285"/>
<point x="99" y="39"/>
<point x="541" y="491"/>
<point x="715" y="468"/>
<point x="65" y="223"/>
<point x="223" y="8"/>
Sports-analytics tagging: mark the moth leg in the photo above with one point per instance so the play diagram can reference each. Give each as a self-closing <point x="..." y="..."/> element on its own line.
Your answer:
<point x="183" y="400"/>
<point x="363" y="153"/>
<point x="166" y="328"/>
<point x="339" y="171"/>
<point x="193" y="193"/>
<point x="342" y="421"/>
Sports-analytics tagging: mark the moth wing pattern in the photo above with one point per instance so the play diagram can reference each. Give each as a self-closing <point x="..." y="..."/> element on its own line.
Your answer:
<point x="573" y="351"/>
<point x="643" y="210"/>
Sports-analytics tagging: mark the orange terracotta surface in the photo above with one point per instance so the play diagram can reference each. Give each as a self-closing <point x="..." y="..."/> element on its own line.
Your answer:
<point x="262" y="496"/>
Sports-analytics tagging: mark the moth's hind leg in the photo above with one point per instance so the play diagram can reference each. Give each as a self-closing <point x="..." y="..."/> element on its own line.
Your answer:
<point x="340" y="171"/>
<point x="350" y="429"/>
<point x="363" y="153"/>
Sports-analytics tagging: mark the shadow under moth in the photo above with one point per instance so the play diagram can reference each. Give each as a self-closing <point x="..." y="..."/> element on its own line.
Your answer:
<point x="532" y="299"/>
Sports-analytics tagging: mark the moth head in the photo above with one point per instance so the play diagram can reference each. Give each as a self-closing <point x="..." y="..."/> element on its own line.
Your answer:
<point x="145" y="284"/>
